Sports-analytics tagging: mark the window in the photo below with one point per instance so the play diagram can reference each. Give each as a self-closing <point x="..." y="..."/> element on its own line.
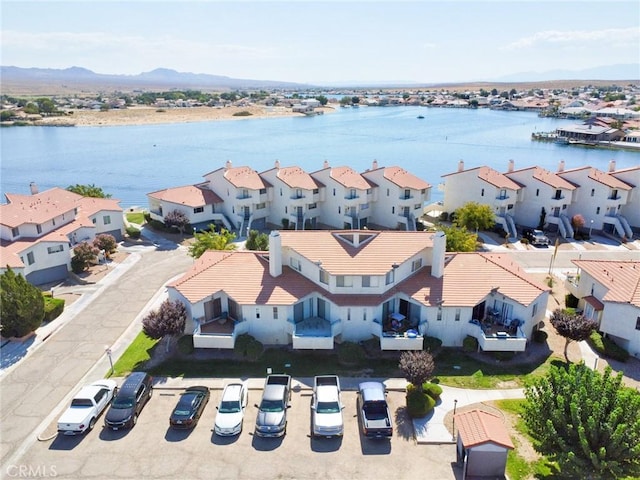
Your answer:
<point x="344" y="281"/>
<point x="503" y="193"/>
<point x="257" y="313"/>
<point x="260" y="206"/>
<point x="316" y="191"/>
<point x="393" y="210"/>
<point x="389" y="277"/>
<point x="15" y="232"/>
<point x="106" y="219"/>
<point x="280" y="192"/>
<point x="39" y="228"/>
<point x="638" y="323"/>
<point x="366" y="281"/>
<point x="457" y="314"/>
<point x="387" y="192"/>
<point x="262" y="191"/>
<point x="56" y="249"/>
<point x="324" y="277"/>
<point x="598" y="211"/>
<point x="334" y="192"/>
<point x="298" y="193"/>
<point x="439" y="315"/>
<point x="482" y="192"/>
<point x="295" y="264"/>
<point x="54" y="222"/>
<point x="417" y="206"/>
<point x="593" y="192"/>
<point x="30" y="258"/>
<point x="407" y="194"/>
<point x="534" y="310"/>
<point x="275" y="313"/>
<point x="198" y="210"/>
<point x="416" y="264"/>
<point x="537" y="192"/>
<point x="312" y="206"/>
<point x="348" y="314"/>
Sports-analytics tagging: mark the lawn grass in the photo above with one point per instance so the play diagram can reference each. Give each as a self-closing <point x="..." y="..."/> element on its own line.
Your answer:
<point x="135" y="356"/>
<point x="136" y="217"/>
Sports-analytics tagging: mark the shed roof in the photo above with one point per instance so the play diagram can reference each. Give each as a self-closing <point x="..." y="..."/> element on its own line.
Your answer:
<point x="477" y="427"/>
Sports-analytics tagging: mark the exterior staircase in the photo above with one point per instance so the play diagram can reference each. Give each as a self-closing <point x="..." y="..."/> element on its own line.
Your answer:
<point x="566" y="223"/>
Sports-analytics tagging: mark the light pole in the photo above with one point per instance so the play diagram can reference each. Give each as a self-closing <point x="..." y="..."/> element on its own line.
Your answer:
<point x="108" y="351"/>
<point x="590" y="228"/>
<point x="455" y="404"/>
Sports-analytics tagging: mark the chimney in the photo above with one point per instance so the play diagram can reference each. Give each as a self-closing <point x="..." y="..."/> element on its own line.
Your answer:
<point x="437" y="255"/>
<point x="277" y="164"/>
<point x="228" y="164"/>
<point x="33" y="186"/>
<point x="374" y="166"/>
<point x="275" y="254"/>
<point x="325" y="164"/>
<point x="612" y="165"/>
<point x="461" y="165"/>
<point x="561" y="166"/>
<point x="510" y="166"/>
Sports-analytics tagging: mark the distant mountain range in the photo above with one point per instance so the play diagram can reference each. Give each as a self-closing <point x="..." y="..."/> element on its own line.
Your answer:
<point x="75" y="78"/>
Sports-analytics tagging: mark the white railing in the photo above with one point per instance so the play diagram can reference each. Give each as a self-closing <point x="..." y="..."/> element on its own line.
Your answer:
<point x="312" y="343"/>
<point x="401" y="342"/>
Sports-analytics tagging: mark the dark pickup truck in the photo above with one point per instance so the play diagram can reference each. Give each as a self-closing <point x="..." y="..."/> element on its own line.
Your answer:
<point x="375" y="419"/>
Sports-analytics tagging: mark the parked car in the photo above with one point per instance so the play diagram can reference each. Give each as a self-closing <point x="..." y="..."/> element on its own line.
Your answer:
<point x="190" y="407"/>
<point x="87" y="405"/>
<point x="326" y="407"/>
<point x="231" y="410"/>
<point x="272" y="411"/>
<point x="536" y="237"/>
<point x="133" y="395"/>
<point x="375" y="419"/>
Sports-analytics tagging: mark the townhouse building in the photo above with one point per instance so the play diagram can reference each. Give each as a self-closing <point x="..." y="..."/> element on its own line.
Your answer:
<point x="314" y="289"/>
<point x="38" y="231"/>
<point x="609" y="293"/>
<point x="631" y="209"/>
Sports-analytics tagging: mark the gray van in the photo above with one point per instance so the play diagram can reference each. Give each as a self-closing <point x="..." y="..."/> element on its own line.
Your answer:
<point x="133" y="395"/>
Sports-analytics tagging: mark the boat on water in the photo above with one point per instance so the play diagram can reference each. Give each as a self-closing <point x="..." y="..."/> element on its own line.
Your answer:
<point x="420" y="116"/>
<point x="560" y="140"/>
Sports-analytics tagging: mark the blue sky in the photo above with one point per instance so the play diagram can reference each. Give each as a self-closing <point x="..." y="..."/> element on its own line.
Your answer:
<point x="323" y="42"/>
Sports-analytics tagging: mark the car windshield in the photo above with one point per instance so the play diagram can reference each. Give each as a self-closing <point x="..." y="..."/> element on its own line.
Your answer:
<point x="328" y="407"/>
<point x="122" y="403"/>
<point x="271" y="406"/>
<point x="229" y="407"/>
<point x="181" y="413"/>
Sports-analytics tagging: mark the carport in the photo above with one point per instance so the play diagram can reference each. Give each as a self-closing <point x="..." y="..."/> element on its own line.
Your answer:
<point x="483" y="444"/>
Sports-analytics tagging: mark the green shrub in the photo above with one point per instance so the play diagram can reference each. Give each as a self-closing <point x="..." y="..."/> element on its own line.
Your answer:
<point x="432" y="344"/>
<point x="350" y="353"/>
<point x="444" y="216"/>
<point x="243" y="113"/>
<point x="133" y="232"/>
<point x="470" y="344"/>
<point x="159" y="226"/>
<point x="540" y="336"/>
<point x="147" y="216"/>
<point x="53" y="308"/>
<point x="418" y="404"/>
<point x="432" y="389"/>
<point x="570" y="301"/>
<point x="607" y="347"/>
<point x="524" y="241"/>
<point x="248" y="347"/>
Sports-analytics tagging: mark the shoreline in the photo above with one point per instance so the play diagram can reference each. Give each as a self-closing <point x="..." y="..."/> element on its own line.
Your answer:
<point x="158" y="116"/>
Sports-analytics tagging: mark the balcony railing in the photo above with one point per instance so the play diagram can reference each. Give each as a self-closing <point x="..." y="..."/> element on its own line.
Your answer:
<point x="220" y="332"/>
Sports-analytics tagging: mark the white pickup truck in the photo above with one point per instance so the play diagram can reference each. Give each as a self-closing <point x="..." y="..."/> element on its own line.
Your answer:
<point x="86" y="407"/>
<point x="326" y="406"/>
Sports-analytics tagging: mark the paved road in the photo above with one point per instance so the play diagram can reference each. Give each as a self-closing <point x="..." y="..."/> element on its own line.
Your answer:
<point x="41" y="380"/>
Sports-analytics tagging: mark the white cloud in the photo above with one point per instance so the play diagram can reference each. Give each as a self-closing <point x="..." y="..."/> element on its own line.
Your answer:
<point x="611" y="37"/>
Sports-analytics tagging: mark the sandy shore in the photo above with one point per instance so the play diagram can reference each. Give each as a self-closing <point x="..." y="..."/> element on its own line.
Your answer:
<point x="152" y="115"/>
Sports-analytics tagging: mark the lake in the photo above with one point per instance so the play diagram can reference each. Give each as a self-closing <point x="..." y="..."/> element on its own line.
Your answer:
<point x="131" y="161"/>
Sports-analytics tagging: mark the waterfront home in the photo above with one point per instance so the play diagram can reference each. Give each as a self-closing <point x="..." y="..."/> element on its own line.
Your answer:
<point x="314" y="289"/>
<point x="483" y="185"/>
<point x="609" y="293"/>
<point x="589" y="133"/>
<point x="630" y="176"/>
<point x="38" y="231"/>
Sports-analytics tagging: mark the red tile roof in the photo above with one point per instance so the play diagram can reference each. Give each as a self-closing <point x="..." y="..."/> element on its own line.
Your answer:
<point x="189" y="195"/>
<point x="295" y="177"/>
<point x="620" y="278"/>
<point x="545" y="176"/>
<point x="601" y="177"/>
<point x="477" y="427"/>
<point x="491" y="176"/>
<point x="244" y="177"/>
<point x="38" y="208"/>
<point x="349" y="178"/>
<point x="404" y="179"/>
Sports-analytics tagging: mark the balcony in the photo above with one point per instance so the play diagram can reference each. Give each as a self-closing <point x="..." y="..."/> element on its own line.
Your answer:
<point x="498" y="338"/>
<point x="395" y="336"/>
<point x="219" y="332"/>
<point x="314" y="333"/>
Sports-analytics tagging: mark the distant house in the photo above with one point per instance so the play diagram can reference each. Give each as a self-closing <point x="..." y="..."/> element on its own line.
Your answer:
<point x="609" y="293"/>
<point x="38" y="231"/>
<point x="483" y="444"/>
<point x="313" y="289"/>
<point x="589" y="133"/>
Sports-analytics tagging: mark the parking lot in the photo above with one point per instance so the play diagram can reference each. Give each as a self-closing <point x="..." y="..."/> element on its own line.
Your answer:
<point x="152" y="449"/>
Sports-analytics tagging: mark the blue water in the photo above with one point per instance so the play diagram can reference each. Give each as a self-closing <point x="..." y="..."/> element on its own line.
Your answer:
<point x="131" y="161"/>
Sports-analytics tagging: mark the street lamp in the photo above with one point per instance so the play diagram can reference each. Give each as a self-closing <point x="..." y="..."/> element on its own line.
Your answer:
<point x="455" y="404"/>
<point x="108" y="352"/>
<point x="590" y="228"/>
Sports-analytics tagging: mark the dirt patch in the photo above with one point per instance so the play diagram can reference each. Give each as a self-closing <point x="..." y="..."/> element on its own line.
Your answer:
<point x="95" y="273"/>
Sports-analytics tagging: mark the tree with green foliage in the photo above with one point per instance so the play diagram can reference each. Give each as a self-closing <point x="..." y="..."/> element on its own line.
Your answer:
<point x="475" y="216"/>
<point x="31" y="109"/>
<point x="572" y="326"/>
<point x="322" y="99"/>
<point x="106" y="242"/>
<point x="46" y="106"/>
<point x="210" y="240"/>
<point x="459" y="239"/>
<point x="168" y="321"/>
<point x="6" y="115"/>
<point x="21" y="303"/>
<point x="88" y="191"/>
<point x="585" y="421"/>
<point x="257" y="241"/>
<point x="84" y="254"/>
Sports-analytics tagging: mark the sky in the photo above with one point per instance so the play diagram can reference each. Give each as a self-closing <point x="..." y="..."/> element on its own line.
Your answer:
<point x="328" y="42"/>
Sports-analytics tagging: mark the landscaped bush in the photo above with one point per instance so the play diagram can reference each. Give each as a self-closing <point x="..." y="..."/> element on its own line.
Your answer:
<point x="147" y="216"/>
<point x="418" y="404"/>
<point x="133" y="232"/>
<point x="470" y="344"/>
<point x="524" y="241"/>
<point x="159" y="226"/>
<point x="53" y="308"/>
<point x="432" y="344"/>
<point x="350" y="353"/>
<point x="570" y="300"/>
<point x="540" y="336"/>
<point x="444" y="216"/>
<point x="432" y="389"/>
<point x="607" y="347"/>
<point x="248" y="347"/>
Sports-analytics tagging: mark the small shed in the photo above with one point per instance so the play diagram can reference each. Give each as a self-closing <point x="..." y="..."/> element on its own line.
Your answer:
<point x="483" y="444"/>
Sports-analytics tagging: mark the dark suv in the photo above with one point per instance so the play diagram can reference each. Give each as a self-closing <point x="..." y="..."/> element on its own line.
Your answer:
<point x="131" y="398"/>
